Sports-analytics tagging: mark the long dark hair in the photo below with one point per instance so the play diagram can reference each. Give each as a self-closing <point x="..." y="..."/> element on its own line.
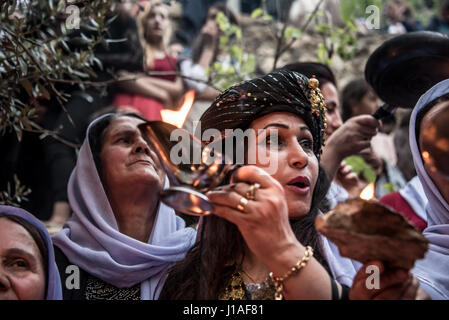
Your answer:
<point x="209" y="263"/>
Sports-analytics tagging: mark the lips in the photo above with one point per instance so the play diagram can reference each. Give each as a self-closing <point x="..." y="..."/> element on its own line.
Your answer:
<point x="142" y="161"/>
<point x="300" y="185"/>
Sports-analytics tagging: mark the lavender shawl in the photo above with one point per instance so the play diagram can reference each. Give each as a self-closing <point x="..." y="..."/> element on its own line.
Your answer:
<point x="92" y="241"/>
<point x="433" y="270"/>
<point x="54" y="291"/>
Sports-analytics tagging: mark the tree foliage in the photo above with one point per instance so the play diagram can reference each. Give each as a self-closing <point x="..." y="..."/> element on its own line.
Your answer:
<point x="37" y="53"/>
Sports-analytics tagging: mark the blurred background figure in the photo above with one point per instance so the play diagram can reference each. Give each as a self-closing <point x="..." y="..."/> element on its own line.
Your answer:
<point x="358" y="98"/>
<point x="197" y="59"/>
<point x="400" y="15"/>
<point x="150" y="94"/>
<point x="440" y="22"/>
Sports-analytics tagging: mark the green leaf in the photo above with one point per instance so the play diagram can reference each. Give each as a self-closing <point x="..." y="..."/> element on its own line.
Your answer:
<point x="257" y="13"/>
<point x="388" y="187"/>
<point x="361" y="168"/>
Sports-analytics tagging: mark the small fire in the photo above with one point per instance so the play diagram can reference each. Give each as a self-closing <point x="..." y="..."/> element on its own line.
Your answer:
<point x="177" y="118"/>
<point x="368" y="192"/>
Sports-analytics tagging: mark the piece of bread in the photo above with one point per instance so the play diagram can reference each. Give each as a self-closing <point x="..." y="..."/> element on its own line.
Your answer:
<point x="367" y="230"/>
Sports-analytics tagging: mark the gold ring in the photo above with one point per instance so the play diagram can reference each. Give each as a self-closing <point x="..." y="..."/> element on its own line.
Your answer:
<point x="243" y="202"/>
<point x="251" y="193"/>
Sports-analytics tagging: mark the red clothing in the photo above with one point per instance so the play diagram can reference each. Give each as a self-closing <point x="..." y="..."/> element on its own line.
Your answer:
<point x="395" y="201"/>
<point x="150" y="108"/>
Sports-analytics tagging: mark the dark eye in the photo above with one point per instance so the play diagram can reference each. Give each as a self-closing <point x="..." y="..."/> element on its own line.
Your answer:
<point x="125" y="140"/>
<point x="19" y="263"/>
<point x="306" y="144"/>
<point x="273" y="140"/>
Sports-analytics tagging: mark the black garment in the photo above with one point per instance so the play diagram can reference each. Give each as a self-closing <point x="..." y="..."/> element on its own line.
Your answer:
<point x="26" y="160"/>
<point x="90" y="287"/>
<point x="437" y="25"/>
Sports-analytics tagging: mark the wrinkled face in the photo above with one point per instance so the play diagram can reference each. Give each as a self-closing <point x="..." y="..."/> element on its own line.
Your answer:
<point x="157" y="22"/>
<point x="333" y="117"/>
<point x="126" y="158"/>
<point x="22" y="275"/>
<point x="367" y="105"/>
<point x="291" y="143"/>
<point x="434" y="146"/>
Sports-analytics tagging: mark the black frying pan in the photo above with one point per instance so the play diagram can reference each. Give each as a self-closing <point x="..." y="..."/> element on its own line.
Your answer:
<point x="405" y="67"/>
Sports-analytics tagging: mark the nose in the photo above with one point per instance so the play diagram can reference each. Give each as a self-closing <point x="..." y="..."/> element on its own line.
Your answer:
<point x="141" y="146"/>
<point x="297" y="157"/>
<point x="5" y="284"/>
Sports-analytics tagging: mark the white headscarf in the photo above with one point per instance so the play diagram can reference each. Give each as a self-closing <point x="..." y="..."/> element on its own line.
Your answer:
<point x="92" y="241"/>
<point x="433" y="270"/>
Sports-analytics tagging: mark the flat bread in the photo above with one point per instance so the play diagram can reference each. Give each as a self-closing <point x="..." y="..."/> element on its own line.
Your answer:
<point x="367" y="230"/>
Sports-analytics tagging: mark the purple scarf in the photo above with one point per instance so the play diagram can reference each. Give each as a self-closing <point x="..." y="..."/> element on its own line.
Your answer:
<point x="92" y="241"/>
<point x="54" y="291"/>
<point x="433" y="270"/>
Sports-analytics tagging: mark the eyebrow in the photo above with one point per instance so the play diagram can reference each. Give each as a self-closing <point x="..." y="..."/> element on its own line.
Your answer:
<point x="125" y="132"/>
<point x="281" y="125"/>
<point x="21" y="252"/>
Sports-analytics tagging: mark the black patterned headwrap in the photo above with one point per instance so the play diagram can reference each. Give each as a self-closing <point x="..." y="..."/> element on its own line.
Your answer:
<point x="278" y="91"/>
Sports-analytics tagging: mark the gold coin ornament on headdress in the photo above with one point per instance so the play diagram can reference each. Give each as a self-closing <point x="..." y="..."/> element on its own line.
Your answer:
<point x="317" y="101"/>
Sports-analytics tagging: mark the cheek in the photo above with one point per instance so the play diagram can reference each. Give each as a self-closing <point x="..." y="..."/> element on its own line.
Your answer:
<point x="30" y="287"/>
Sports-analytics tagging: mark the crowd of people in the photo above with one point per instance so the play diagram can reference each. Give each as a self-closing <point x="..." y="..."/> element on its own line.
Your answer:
<point x="102" y="203"/>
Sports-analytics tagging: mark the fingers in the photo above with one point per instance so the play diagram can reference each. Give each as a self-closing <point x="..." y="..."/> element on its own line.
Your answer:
<point x="231" y="214"/>
<point x="253" y="174"/>
<point x="366" y="121"/>
<point x="227" y="199"/>
<point x="373" y="281"/>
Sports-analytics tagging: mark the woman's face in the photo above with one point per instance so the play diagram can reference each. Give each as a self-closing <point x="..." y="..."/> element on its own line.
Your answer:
<point x="369" y="103"/>
<point x="126" y="158"/>
<point x="22" y="274"/>
<point x="157" y="23"/>
<point x="434" y="144"/>
<point x="333" y="118"/>
<point x="297" y="165"/>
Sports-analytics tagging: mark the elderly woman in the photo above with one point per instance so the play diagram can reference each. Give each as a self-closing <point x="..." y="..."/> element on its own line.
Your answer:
<point x="120" y="236"/>
<point x="429" y="140"/>
<point x="260" y="243"/>
<point x="27" y="264"/>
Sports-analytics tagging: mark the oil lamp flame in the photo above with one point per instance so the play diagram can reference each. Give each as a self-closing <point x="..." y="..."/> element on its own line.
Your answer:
<point x="177" y="118"/>
<point x="368" y="192"/>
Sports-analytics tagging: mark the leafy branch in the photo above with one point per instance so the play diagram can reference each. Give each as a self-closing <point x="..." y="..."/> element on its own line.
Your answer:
<point x="14" y="196"/>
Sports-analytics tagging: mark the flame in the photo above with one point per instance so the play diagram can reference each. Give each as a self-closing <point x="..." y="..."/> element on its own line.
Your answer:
<point x="177" y="118"/>
<point x="368" y="192"/>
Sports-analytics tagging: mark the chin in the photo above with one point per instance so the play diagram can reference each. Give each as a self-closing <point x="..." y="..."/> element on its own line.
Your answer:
<point x="297" y="212"/>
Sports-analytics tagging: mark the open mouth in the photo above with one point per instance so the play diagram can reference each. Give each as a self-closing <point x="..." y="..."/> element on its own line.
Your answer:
<point x="300" y="185"/>
<point x="300" y="182"/>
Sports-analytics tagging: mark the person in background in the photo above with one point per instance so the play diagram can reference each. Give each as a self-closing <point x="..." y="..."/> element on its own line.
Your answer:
<point x="357" y="99"/>
<point x="441" y="23"/>
<point x="27" y="263"/>
<point x="205" y="51"/>
<point x="150" y="94"/>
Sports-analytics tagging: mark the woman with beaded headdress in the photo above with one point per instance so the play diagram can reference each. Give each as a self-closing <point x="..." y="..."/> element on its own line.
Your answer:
<point x="260" y="241"/>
